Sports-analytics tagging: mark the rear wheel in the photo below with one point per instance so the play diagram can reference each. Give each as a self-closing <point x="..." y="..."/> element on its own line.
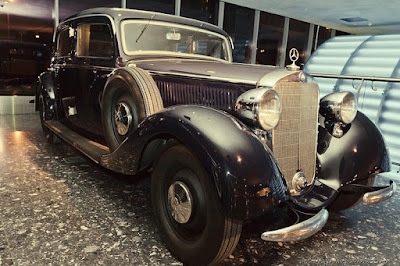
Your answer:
<point x="188" y="210"/>
<point x="346" y="200"/>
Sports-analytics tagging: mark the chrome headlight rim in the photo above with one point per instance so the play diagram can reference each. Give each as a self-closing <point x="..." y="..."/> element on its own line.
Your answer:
<point x="250" y="106"/>
<point x="269" y="124"/>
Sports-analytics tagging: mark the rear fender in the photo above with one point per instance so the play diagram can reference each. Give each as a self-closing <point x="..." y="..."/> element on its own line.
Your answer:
<point x="239" y="164"/>
<point x="47" y="88"/>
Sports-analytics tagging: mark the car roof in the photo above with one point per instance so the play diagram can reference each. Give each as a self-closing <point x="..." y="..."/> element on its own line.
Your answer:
<point x="122" y="13"/>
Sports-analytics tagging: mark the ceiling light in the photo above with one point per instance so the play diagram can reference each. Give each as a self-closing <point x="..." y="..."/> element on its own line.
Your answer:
<point x="354" y="19"/>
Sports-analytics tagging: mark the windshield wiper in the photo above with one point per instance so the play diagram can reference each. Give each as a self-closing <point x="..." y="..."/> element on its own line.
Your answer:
<point x="145" y="27"/>
<point x="190" y="39"/>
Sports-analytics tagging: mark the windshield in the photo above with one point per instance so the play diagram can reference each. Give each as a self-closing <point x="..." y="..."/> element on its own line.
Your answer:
<point x="154" y="37"/>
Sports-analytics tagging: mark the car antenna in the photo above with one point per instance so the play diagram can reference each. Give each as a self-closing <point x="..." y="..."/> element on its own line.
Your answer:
<point x="145" y="27"/>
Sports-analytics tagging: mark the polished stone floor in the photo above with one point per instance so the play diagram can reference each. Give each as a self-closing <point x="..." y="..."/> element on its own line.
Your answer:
<point x="57" y="207"/>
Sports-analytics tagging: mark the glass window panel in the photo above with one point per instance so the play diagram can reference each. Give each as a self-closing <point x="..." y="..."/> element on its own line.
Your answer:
<point x="270" y="36"/>
<point x="94" y="40"/>
<point x="298" y="38"/>
<point x="239" y="24"/>
<point x="162" y="37"/>
<point x="323" y="35"/>
<point x="340" y="33"/>
<point x="205" y="10"/>
<point x="65" y="43"/>
<point x="163" y="6"/>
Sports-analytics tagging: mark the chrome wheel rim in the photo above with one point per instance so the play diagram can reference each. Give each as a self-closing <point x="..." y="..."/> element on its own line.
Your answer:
<point x="180" y="203"/>
<point x="123" y="118"/>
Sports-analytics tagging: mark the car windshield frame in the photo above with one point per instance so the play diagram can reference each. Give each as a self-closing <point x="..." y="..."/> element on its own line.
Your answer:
<point x="227" y="52"/>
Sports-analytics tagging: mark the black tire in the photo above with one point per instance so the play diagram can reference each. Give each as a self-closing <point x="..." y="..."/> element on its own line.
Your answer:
<point x="208" y="236"/>
<point x="346" y="200"/>
<point x="50" y="136"/>
<point x="133" y="90"/>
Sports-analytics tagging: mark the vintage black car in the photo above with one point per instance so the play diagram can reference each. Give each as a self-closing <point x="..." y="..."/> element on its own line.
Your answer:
<point x="226" y="143"/>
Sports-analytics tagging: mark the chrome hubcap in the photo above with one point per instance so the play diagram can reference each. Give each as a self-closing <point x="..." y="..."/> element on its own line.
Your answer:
<point x="123" y="118"/>
<point x="180" y="202"/>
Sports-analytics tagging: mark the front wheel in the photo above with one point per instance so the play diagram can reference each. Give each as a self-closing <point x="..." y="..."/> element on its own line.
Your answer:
<point x="188" y="210"/>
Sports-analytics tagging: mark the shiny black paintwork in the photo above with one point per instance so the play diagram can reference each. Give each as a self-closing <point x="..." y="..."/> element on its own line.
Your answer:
<point x="239" y="162"/>
<point x="359" y="154"/>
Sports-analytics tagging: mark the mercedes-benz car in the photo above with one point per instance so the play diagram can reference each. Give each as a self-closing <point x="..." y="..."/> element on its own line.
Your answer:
<point x="225" y="143"/>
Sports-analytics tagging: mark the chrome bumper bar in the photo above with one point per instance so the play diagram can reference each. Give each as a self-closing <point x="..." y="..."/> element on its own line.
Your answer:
<point x="298" y="231"/>
<point x="379" y="195"/>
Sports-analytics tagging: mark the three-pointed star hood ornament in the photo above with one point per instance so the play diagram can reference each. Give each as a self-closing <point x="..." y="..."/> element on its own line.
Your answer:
<point x="294" y="56"/>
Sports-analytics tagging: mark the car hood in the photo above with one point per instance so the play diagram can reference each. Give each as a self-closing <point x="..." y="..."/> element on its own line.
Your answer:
<point x="230" y="72"/>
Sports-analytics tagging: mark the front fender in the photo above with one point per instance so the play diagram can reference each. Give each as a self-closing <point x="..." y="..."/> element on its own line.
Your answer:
<point x="238" y="162"/>
<point x="358" y="154"/>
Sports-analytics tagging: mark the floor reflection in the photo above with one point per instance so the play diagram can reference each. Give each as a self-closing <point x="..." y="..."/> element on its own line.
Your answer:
<point x="58" y="207"/>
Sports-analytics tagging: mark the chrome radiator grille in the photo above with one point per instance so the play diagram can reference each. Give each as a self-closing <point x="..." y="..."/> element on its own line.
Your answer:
<point x="295" y="138"/>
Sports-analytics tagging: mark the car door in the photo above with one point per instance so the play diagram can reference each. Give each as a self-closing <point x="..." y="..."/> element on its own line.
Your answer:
<point x="65" y="70"/>
<point x="95" y="57"/>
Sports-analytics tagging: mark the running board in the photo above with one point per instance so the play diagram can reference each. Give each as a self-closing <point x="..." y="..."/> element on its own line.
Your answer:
<point x="91" y="149"/>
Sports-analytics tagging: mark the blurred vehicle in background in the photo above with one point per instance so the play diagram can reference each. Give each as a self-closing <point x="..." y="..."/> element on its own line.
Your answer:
<point x="20" y="65"/>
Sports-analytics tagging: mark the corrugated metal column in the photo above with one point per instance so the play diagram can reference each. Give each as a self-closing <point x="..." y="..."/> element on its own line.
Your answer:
<point x="56" y="13"/>
<point x="123" y="3"/>
<point x="255" y="37"/>
<point x="354" y="53"/>
<point x="310" y="41"/>
<point x="221" y="12"/>
<point x="177" y="7"/>
<point x="284" y="42"/>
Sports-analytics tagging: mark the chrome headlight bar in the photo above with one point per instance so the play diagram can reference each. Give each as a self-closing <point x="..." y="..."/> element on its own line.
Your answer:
<point x="261" y="107"/>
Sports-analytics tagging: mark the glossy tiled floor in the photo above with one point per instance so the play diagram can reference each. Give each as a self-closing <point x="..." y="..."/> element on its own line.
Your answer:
<point x="57" y="207"/>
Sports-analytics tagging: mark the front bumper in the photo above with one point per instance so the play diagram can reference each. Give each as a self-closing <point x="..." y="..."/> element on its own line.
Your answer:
<point x="380" y="195"/>
<point x="298" y="231"/>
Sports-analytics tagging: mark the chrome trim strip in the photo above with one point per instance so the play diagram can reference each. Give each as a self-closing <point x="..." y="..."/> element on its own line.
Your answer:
<point x="335" y="76"/>
<point x="298" y="231"/>
<point x="380" y="195"/>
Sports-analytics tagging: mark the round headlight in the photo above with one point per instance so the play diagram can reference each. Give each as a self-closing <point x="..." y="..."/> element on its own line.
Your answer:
<point x="348" y="108"/>
<point x="269" y="110"/>
<point x="339" y="107"/>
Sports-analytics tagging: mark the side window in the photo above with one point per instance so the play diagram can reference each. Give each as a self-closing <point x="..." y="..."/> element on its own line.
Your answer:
<point x="65" y="43"/>
<point x="95" y="40"/>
